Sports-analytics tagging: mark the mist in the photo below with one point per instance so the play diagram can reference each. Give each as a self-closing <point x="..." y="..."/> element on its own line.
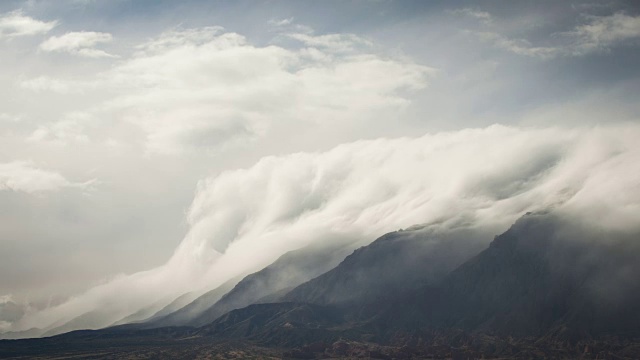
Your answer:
<point x="481" y="179"/>
<point x="152" y="152"/>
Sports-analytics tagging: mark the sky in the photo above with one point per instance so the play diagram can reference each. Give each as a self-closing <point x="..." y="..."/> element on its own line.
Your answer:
<point x="145" y="144"/>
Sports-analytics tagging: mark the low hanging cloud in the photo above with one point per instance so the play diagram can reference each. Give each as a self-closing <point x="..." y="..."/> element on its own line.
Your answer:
<point x="23" y="176"/>
<point x="476" y="179"/>
<point x="16" y="24"/>
<point x="81" y="43"/>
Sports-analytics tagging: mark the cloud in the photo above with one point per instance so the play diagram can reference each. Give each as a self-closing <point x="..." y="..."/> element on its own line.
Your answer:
<point x="16" y="24"/>
<point x="332" y="42"/>
<point x="602" y="32"/>
<point x="206" y="89"/>
<point x="281" y="22"/>
<point x="80" y="43"/>
<point x="178" y="37"/>
<point x="71" y="128"/>
<point x="519" y="46"/>
<point x="23" y="176"/>
<point x="597" y="33"/>
<point x="10" y="118"/>
<point x="45" y="83"/>
<point x="9" y="312"/>
<point x="482" y="16"/>
<point x="480" y="180"/>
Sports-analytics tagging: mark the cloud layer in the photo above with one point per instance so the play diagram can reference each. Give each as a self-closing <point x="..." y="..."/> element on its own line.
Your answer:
<point x="204" y="89"/>
<point x="481" y="180"/>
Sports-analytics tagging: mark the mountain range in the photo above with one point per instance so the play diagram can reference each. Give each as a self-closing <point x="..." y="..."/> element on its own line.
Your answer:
<point x="550" y="286"/>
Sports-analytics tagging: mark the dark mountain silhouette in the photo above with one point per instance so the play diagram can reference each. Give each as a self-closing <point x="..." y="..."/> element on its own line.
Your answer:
<point x="290" y="270"/>
<point x="545" y="277"/>
<point x="393" y="264"/>
<point x="192" y="310"/>
<point x="548" y="287"/>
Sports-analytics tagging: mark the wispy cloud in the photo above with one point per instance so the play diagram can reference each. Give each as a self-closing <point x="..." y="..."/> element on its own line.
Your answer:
<point x="80" y="43"/>
<point x="281" y="22"/>
<point x="480" y="15"/>
<point x="70" y="129"/>
<point x="519" y="46"/>
<point x="596" y="33"/>
<point x="602" y="32"/>
<point x="207" y="89"/>
<point x="332" y="42"/>
<point x="46" y="83"/>
<point x="23" y="176"/>
<point x="16" y="24"/>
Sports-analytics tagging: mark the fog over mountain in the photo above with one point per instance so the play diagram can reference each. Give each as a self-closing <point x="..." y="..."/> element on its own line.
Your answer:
<point x="243" y="220"/>
<point x="183" y="169"/>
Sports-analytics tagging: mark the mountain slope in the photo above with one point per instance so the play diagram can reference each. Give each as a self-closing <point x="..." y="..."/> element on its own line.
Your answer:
<point x="545" y="276"/>
<point x="290" y="270"/>
<point x="192" y="311"/>
<point x="394" y="263"/>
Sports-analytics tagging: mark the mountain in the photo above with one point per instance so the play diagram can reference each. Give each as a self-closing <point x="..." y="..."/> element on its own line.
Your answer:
<point x="151" y="313"/>
<point x="340" y="302"/>
<point x="288" y="271"/>
<point x="393" y="264"/>
<point x="547" y="277"/>
<point x="548" y="287"/>
<point x="188" y="313"/>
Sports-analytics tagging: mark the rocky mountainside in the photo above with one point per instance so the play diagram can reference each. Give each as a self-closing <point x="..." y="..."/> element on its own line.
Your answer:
<point x="545" y="277"/>
<point x="393" y="264"/>
<point x="190" y="312"/>
<point x="290" y="270"/>
<point x="548" y="287"/>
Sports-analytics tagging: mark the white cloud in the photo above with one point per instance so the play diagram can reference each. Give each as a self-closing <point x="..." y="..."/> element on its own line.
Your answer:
<point x="519" y="46"/>
<point x="602" y="32"/>
<point x="281" y="22"/>
<point x="15" y="24"/>
<point x="9" y="118"/>
<point x="71" y="128"/>
<point x="80" y="43"/>
<point x="481" y="180"/>
<point x="332" y="42"/>
<point x="45" y="83"/>
<point x="23" y="176"/>
<point x="178" y="37"/>
<point x="597" y="33"/>
<point x="481" y="16"/>
<point x="204" y="89"/>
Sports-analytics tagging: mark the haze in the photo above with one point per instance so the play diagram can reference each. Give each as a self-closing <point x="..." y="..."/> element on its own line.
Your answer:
<point x="154" y="148"/>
